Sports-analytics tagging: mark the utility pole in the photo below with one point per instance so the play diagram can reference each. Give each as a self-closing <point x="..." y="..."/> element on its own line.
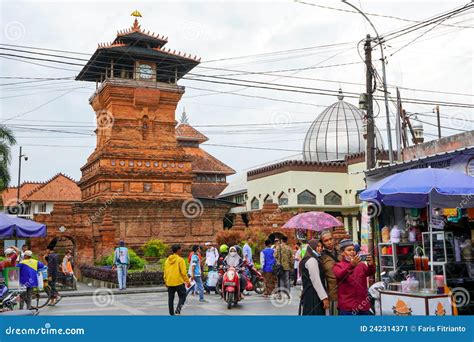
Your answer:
<point x="370" y="160"/>
<point x="370" y="150"/>
<point x="384" y="81"/>
<point x="398" y="127"/>
<point x="439" y="122"/>
<point x="18" y="199"/>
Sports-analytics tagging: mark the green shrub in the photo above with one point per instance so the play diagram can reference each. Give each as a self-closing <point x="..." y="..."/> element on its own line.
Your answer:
<point x="136" y="263"/>
<point x="155" y="248"/>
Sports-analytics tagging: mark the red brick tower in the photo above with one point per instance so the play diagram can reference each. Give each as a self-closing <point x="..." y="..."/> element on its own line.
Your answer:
<point x="136" y="156"/>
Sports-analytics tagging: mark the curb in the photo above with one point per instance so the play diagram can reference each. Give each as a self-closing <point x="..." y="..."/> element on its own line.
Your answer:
<point x="114" y="291"/>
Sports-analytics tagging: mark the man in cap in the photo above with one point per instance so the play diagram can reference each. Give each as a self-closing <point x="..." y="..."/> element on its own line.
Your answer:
<point x="329" y="257"/>
<point x="351" y="275"/>
<point x="212" y="255"/>
<point x="28" y="276"/>
<point x="314" y="298"/>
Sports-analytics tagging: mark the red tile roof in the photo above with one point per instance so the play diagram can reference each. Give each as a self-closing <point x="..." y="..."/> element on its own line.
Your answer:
<point x="9" y="195"/>
<point x="186" y="132"/>
<point x="203" y="162"/>
<point x="60" y="188"/>
<point x="207" y="190"/>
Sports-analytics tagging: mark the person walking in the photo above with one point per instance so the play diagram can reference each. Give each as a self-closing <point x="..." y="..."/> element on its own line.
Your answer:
<point x="52" y="260"/>
<point x="247" y="252"/>
<point x="121" y="263"/>
<point x="196" y="273"/>
<point x="268" y="260"/>
<point x="314" y="298"/>
<point x="284" y="256"/>
<point x="297" y="258"/>
<point x="351" y="275"/>
<point x="329" y="257"/>
<point x="212" y="255"/>
<point x="28" y="277"/>
<point x="176" y="279"/>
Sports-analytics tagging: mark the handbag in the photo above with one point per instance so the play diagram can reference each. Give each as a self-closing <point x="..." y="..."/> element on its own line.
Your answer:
<point x="277" y="268"/>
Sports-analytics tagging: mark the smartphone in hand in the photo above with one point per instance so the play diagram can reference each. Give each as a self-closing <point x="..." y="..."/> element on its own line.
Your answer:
<point x="363" y="257"/>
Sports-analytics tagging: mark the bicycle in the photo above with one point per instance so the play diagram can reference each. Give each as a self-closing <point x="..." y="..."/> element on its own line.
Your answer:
<point x="41" y="298"/>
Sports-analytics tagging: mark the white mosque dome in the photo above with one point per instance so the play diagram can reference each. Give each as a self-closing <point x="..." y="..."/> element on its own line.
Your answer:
<point x="337" y="132"/>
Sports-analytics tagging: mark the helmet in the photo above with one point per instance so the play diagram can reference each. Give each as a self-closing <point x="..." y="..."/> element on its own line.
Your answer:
<point x="9" y="251"/>
<point x="223" y="248"/>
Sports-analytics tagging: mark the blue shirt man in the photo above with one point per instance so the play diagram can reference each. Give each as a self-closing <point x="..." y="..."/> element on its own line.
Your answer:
<point x="247" y="252"/>
<point x="196" y="272"/>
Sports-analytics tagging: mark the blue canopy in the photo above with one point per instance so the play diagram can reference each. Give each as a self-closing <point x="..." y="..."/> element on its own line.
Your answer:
<point x="15" y="226"/>
<point x="416" y="188"/>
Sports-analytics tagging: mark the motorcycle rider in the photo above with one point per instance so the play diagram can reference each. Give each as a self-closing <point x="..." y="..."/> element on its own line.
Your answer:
<point x="233" y="259"/>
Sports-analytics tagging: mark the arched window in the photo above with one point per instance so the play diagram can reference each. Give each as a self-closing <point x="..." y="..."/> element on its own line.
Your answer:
<point x="254" y="204"/>
<point x="306" y="197"/>
<point x="268" y="199"/>
<point x="283" y="199"/>
<point x="332" y="198"/>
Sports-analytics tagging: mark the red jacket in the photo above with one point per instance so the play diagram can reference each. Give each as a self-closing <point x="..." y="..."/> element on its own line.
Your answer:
<point x="352" y="294"/>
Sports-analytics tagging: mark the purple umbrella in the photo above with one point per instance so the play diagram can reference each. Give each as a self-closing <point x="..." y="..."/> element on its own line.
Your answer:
<point x="313" y="220"/>
<point x="15" y="226"/>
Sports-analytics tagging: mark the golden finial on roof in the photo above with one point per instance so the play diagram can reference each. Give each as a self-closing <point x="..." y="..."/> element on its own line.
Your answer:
<point x="136" y="14"/>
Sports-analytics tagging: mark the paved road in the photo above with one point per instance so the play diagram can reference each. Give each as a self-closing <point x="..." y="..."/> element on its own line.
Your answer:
<point x="105" y="303"/>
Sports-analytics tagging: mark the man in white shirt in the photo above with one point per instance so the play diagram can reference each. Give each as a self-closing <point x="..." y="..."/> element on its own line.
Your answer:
<point x="212" y="255"/>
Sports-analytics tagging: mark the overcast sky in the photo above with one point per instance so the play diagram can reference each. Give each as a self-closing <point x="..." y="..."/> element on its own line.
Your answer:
<point x="439" y="60"/>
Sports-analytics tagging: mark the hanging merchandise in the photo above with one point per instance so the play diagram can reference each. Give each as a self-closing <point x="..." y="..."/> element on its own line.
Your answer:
<point x="395" y="234"/>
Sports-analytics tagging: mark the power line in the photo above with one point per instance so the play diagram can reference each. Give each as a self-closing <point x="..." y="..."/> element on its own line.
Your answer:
<point x="371" y="14"/>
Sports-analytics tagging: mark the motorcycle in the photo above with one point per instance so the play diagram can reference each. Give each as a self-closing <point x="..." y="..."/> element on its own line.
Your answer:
<point x="254" y="279"/>
<point x="231" y="287"/>
<point x="9" y="298"/>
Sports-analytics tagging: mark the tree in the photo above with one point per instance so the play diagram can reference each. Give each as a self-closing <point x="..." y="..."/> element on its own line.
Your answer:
<point x="7" y="139"/>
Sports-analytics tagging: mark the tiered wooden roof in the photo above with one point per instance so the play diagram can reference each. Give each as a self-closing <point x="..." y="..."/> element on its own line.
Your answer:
<point x="134" y="44"/>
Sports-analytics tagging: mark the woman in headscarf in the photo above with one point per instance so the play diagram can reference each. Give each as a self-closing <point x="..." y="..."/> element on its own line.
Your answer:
<point x="314" y="298"/>
<point x="233" y="259"/>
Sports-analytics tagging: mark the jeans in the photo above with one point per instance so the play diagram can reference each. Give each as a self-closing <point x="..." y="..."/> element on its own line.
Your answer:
<point x="122" y="276"/>
<point x="354" y="313"/>
<point x="181" y="290"/>
<point x="199" y="287"/>
<point x="284" y="282"/>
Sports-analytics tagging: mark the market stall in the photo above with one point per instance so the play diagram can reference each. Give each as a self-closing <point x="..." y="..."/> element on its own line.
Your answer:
<point x="13" y="226"/>
<point x="412" y="261"/>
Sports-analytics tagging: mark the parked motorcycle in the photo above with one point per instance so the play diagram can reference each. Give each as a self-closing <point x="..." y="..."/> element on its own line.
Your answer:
<point x="9" y="298"/>
<point x="231" y="287"/>
<point x="254" y="279"/>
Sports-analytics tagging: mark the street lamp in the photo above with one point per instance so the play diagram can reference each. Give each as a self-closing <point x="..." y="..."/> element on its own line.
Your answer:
<point x="20" y="157"/>
<point x="384" y="79"/>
